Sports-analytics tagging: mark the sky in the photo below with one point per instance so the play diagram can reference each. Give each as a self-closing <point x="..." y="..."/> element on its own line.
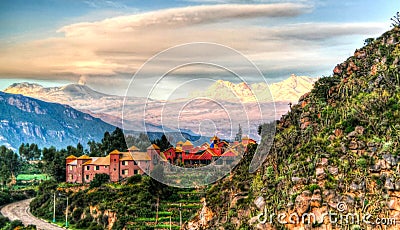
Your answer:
<point x="103" y="43"/>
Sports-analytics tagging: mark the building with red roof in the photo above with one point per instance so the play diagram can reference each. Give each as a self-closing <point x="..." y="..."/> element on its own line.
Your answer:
<point x="119" y="165"/>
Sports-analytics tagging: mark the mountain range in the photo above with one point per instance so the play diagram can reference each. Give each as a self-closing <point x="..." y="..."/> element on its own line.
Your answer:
<point x="289" y="90"/>
<point x="176" y="115"/>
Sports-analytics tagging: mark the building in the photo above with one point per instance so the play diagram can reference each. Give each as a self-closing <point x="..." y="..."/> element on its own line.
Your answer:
<point x="120" y="165"/>
<point x="117" y="164"/>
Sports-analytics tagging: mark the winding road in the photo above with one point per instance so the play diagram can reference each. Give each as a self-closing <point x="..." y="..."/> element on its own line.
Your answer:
<point x="20" y="211"/>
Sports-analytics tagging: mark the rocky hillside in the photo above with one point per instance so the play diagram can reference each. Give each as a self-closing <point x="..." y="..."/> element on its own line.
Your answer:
<point x="337" y="150"/>
<point x="24" y="119"/>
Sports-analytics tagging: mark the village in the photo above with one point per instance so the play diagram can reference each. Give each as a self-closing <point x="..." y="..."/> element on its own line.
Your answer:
<point x="119" y="165"/>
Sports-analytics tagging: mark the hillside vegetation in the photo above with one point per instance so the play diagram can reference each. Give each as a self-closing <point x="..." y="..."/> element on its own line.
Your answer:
<point x="338" y="145"/>
<point x="131" y="204"/>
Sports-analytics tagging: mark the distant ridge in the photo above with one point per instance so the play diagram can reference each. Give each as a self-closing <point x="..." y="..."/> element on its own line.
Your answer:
<point x="27" y="120"/>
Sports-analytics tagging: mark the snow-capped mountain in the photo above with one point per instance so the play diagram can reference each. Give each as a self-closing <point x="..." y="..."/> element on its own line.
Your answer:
<point x="289" y="90"/>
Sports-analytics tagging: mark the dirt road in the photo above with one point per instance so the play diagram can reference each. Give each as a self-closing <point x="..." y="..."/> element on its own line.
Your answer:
<point x="20" y="211"/>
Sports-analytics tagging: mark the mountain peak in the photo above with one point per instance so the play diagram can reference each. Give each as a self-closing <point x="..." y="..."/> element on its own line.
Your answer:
<point x="23" y="88"/>
<point x="48" y="93"/>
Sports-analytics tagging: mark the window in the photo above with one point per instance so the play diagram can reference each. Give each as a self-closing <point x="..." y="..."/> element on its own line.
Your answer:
<point x="105" y="166"/>
<point x="135" y="172"/>
<point x="88" y="167"/>
<point x="70" y="168"/>
<point x="115" y="169"/>
<point x="115" y="160"/>
<point x="71" y="177"/>
<point x="124" y="163"/>
<point x="87" y="177"/>
<point x="125" y="172"/>
<point x="97" y="168"/>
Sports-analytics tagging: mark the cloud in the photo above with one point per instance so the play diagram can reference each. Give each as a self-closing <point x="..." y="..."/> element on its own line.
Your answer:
<point x="118" y="46"/>
<point x="180" y="17"/>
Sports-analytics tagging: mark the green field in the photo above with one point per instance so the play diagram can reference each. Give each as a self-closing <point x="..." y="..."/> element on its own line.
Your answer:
<point x="28" y="177"/>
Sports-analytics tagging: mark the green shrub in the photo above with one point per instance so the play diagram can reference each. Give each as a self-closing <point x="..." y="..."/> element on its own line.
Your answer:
<point x="135" y="179"/>
<point x="99" y="179"/>
<point x="14" y="224"/>
<point x="362" y="163"/>
<point x="3" y="221"/>
<point x="77" y="213"/>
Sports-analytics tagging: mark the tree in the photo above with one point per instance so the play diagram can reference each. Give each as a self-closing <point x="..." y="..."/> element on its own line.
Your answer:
<point x="94" y="148"/>
<point x="9" y="165"/>
<point x="29" y="152"/>
<point x="118" y="140"/>
<point x="54" y="162"/>
<point x="239" y="134"/>
<point x="79" y="149"/>
<point x="396" y="20"/>
<point x="24" y="151"/>
<point x="115" y="140"/>
<point x="163" y="143"/>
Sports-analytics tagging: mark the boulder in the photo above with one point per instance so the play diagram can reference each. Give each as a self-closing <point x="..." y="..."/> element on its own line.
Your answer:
<point x="354" y="187"/>
<point x="333" y="170"/>
<point x="316" y="199"/>
<point x="360" y="54"/>
<point x="260" y="202"/>
<point x="338" y="132"/>
<point x="359" y="130"/>
<point x="337" y="69"/>
<point x="353" y="145"/>
<point x="305" y="125"/>
<point x="393" y="204"/>
<point x="361" y="144"/>
<point x="302" y="202"/>
<point x="389" y="184"/>
<point x="390" y="159"/>
<point x="320" y="173"/>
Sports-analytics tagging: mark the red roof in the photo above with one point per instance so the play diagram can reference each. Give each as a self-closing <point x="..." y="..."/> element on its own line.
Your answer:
<point x="215" y="152"/>
<point x="205" y="156"/>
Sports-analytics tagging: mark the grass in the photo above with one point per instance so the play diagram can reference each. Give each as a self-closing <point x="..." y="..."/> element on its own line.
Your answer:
<point x="28" y="177"/>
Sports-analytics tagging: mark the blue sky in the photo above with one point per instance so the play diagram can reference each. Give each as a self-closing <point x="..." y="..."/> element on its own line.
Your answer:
<point x="105" y="41"/>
